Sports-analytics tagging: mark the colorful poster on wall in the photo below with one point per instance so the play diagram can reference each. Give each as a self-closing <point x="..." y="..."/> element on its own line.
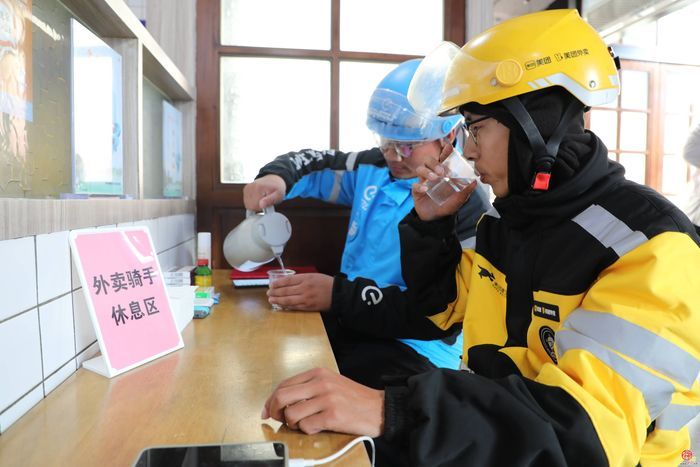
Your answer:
<point x="16" y="108"/>
<point x="126" y="297"/>
<point x="16" y="59"/>
<point x="172" y="151"/>
<point x="98" y="160"/>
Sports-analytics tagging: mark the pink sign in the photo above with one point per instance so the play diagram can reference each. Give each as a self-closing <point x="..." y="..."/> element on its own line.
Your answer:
<point x="123" y="286"/>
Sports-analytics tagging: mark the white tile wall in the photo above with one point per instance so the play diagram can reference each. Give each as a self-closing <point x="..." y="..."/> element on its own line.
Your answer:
<point x="74" y="277"/>
<point x="57" y="333"/>
<point x="20" y="357"/>
<point x="84" y="331"/>
<point x="153" y="229"/>
<point x="18" y="277"/>
<point x="53" y="265"/>
<point x="60" y="376"/>
<point x="19" y="408"/>
<point x="187" y="254"/>
<point x="45" y="328"/>
<point x="167" y="237"/>
<point x="167" y="259"/>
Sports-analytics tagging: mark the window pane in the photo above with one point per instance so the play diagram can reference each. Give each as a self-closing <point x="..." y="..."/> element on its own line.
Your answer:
<point x="678" y="92"/>
<point x="411" y="27"/>
<point x="301" y="24"/>
<point x="98" y="153"/>
<point x="270" y="106"/>
<point x="357" y="82"/>
<point x="674" y="174"/>
<point x="604" y="125"/>
<point x="635" y="166"/>
<point x="633" y="131"/>
<point x="635" y="89"/>
<point x="676" y="129"/>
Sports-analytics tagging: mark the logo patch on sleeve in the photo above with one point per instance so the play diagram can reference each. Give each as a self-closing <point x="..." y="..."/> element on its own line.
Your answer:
<point x="545" y="310"/>
<point x="547" y="339"/>
<point x="371" y="295"/>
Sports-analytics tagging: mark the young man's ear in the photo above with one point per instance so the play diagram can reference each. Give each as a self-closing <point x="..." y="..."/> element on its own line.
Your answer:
<point x="449" y="138"/>
<point x="452" y="134"/>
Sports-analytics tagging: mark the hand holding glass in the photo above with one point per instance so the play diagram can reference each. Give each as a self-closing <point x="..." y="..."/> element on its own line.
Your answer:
<point x="458" y="174"/>
<point x="273" y="275"/>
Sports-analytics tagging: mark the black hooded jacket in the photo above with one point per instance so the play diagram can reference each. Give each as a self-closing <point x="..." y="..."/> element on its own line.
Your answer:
<point x="560" y="298"/>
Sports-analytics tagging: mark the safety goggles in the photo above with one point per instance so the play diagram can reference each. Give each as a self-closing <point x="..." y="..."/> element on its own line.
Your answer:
<point x="402" y="148"/>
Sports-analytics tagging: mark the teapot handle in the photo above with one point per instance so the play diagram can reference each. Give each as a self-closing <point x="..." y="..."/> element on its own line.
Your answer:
<point x="267" y="210"/>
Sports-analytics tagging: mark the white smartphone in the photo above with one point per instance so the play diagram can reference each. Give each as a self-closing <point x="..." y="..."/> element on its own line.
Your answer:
<point x="263" y="454"/>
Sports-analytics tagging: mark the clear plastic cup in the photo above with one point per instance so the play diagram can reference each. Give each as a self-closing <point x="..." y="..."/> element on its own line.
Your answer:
<point x="458" y="174"/>
<point x="273" y="275"/>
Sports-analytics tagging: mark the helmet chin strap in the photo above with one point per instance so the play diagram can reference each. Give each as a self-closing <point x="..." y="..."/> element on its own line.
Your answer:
<point x="545" y="154"/>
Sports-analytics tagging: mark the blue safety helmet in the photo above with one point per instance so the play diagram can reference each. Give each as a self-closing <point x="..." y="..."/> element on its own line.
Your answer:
<point x="391" y="116"/>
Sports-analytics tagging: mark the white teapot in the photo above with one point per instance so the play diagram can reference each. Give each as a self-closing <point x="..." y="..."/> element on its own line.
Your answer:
<point x="257" y="240"/>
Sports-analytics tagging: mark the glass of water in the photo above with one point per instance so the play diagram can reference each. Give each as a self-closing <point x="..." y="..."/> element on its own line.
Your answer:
<point x="275" y="274"/>
<point x="458" y="174"/>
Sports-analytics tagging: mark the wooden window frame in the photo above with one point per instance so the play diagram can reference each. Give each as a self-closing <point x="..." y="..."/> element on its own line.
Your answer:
<point x="656" y="111"/>
<point x="217" y="201"/>
<point x="652" y="163"/>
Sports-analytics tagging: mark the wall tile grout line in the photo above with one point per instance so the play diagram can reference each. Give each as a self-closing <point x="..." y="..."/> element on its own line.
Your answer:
<point x="41" y="383"/>
<point x="177" y="245"/>
<point x="62" y="366"/>
<point x="72" y="307"/>
<point x="37" y="306"/>
<point x="55" y="298"/>
<point x="38" y="313"/>
<point x="18" y="314"/>
<point x="87" y="347"/>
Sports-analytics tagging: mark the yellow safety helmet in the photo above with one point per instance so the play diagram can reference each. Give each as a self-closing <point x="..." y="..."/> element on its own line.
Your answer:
<point x="524" y="54"/>
<point x="521" y="55"/>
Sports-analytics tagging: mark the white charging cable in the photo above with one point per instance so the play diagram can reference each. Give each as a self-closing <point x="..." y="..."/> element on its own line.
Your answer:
<point x="325" y="460"/>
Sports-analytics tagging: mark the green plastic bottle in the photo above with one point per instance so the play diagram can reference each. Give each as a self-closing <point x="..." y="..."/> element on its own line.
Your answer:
<point x="202" y="274"/>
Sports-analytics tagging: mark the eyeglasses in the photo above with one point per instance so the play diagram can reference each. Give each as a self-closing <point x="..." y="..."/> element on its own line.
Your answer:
<point x="473" y="131"/>
<point x="402" y="148"/>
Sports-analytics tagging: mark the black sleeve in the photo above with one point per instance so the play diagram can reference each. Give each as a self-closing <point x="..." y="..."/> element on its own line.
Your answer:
<point x="455" y="418"/>
<point x="390" y="312"/>
<point x="294" y="165"/>
<point x="430" y="253"/>
<point x="380" y="312"/>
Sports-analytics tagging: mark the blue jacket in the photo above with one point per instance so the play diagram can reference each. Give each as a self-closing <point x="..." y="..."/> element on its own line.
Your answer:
<point x="372" y="250"/>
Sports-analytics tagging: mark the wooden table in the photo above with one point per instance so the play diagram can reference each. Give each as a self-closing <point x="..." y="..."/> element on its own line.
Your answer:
<point x="211" y="391"/>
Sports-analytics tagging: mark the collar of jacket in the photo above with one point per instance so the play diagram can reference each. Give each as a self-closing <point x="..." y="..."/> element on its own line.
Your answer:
<point x="536" y="210"/>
